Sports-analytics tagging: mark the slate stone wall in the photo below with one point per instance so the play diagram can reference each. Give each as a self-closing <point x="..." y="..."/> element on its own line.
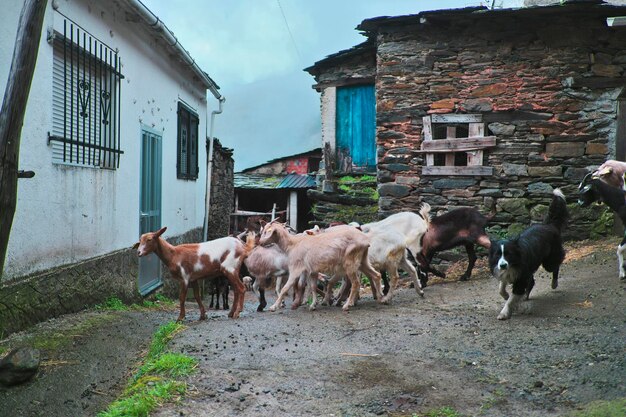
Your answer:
<point x="222" y="191"/>
<point x="546" y="88"/>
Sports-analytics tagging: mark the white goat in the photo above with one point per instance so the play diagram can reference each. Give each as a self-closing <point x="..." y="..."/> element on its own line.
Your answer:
<point x="342" y="252"/>
<point x="410" y="225"/>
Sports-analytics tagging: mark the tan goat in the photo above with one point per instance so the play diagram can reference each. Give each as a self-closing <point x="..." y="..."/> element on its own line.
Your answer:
<point x="342" y="252"/>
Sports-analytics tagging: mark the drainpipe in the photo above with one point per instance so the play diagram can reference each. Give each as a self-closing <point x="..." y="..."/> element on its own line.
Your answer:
<point x="209" y="169"/>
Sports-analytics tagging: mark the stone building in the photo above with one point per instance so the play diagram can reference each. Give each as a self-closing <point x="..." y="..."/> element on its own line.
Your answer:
<point x="489" y="108"/>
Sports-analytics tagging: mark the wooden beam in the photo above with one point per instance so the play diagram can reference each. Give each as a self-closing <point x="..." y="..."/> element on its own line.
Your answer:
<point x="456" y="118"/>
<point x="12" y="112"/>
<point x="458" y="145"/>
<point x="458" y="171"/>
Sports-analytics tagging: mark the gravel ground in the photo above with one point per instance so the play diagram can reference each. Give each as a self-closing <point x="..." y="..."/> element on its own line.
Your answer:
<point x="566" y="349"/>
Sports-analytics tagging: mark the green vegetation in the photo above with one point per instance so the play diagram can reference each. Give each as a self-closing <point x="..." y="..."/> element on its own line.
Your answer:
<point x="615" y="408"/>
<point x="53" y="341"/>
<point x="603" y="225"/>
<point x="112" y="303"/>
<point x="156" y="381"/>
<point x="159" y="302"/>
<point x="362" y="186"/>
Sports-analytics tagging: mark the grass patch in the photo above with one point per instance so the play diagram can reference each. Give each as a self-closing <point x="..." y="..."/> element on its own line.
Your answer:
<point x="615" y="408"/>
<point x="160" y="301"/>
<point x="53" y="341"/>
<point x="162" y="337"/>
<point x="113" y="304"/>
<point x="156" y="381"/>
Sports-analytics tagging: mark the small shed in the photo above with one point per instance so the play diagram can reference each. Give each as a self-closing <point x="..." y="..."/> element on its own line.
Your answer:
<point x="277" y="189"/>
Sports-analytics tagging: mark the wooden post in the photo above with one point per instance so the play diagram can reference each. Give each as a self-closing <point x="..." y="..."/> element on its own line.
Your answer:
<point x="12" y="112"/>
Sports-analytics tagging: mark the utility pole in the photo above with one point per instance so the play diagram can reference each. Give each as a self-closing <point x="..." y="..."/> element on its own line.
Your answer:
<point x="12" y="112"/>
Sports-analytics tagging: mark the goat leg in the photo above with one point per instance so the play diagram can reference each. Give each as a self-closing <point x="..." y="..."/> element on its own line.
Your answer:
<point x="225" y="289"/>
<point x="182" y="296"/>
<point x="354" y="289"/>
<point x="262" y="301"/>
<point x="408" y="267"/>
<point x="196" y="294"/>
<point x="471" y="256"/>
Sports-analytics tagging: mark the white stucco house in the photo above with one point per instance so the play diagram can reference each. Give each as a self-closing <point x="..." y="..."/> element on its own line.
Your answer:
<point x="114" y="131"/>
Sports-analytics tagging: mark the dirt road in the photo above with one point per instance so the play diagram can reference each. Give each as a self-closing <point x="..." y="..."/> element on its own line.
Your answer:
<point x="566" y="349"/>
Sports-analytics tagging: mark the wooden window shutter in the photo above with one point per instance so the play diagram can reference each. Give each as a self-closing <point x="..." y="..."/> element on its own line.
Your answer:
<point x="458" y="155"/>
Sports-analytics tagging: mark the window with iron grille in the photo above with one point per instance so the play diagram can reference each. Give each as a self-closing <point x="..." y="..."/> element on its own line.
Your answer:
<point x="85" y="100"/>
<point x="187" y="161"/>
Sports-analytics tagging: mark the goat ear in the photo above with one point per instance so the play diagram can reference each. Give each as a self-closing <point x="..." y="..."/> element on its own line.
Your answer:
<point x="160" y="231"/>
<point x="585" y="188"/>
<point x="262" y="223"/>
<point x="136" y="245"/>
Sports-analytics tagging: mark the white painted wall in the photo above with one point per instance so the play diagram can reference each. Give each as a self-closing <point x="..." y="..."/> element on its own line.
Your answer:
<point x="329" y="113"/>
<point x="68" y="214"/>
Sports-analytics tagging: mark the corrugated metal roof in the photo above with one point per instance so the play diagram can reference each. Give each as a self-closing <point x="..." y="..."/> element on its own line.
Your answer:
<point x="298" y="181"/>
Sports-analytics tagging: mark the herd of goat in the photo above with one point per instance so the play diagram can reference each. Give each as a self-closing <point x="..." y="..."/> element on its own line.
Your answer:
<point x="326" y="256"/>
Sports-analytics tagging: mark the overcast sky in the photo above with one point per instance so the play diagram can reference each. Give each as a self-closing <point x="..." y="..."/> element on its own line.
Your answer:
<point x="256" y="50"/>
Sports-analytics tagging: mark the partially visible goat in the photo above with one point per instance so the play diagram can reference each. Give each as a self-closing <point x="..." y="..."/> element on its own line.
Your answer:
<point x="265" y="263"/>
<point x="216" y="288"/>
<point x="463" y="226"/>
<point x="612" y="172"/>
<point x="593" y="189"/>
<point x="189" y="263"/>
<point x="341" y="252"/>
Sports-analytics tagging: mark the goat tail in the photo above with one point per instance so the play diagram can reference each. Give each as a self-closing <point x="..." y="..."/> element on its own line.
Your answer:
<point x="557" y="212"/>
<point x="425" y="212"/>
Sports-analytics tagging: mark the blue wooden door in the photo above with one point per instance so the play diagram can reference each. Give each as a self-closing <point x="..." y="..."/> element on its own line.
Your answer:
<point x="356" y="128"/>
<point x="150" y="206"/>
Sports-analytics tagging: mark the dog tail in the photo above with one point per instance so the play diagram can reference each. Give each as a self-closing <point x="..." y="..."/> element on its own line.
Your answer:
<point x="557" y="212"/>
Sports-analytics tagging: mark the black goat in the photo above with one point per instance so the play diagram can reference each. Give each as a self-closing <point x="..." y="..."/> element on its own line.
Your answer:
<point x="216" y="288"/>
<point x="460" y="227"/>
<point x="592" y="189"/>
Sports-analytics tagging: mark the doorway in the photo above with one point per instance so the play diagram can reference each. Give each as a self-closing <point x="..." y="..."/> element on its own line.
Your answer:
<point x="150" y="206"/>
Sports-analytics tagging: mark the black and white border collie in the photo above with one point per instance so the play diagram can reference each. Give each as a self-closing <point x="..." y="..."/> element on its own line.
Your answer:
<point x="515" y="261"/>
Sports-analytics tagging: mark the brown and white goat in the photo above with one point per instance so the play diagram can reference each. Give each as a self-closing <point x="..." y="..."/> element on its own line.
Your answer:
<point x="460" y="227"/>
<point x="612" y="172"/>
<point x="342" y="252"/>
<point x="189" y="263"/>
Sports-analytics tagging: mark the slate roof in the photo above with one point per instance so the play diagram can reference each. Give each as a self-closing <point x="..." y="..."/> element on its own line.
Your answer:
<point x="273" y="182"/>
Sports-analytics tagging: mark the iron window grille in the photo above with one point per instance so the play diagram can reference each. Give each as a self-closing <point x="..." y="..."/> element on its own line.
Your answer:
<point x="86" y="100"/>
<point x="187" y="155"/>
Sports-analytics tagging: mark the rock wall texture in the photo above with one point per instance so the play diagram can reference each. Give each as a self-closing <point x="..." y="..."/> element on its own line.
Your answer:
<point x="222" y="191"/>
<point x="547" y="88"/>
